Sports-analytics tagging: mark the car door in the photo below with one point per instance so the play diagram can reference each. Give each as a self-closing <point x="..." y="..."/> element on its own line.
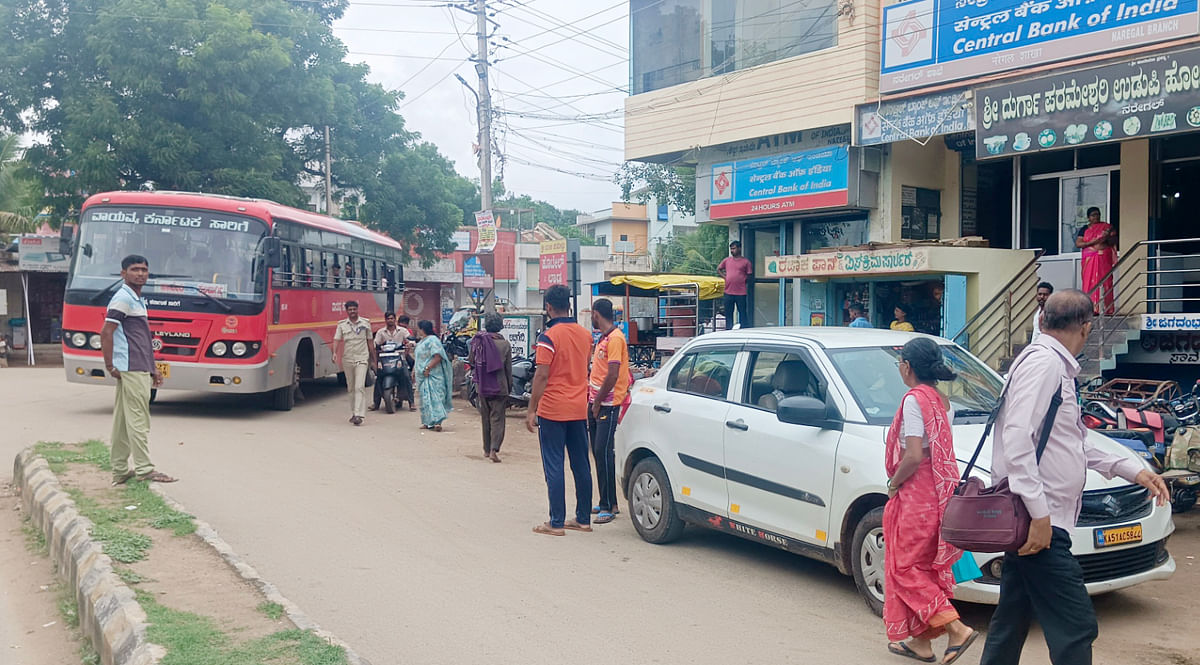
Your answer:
<point x="780" y="476"/>
<point x="687" y="419"/>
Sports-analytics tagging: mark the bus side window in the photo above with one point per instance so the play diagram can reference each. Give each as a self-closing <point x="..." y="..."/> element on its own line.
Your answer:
<point x="281" y="275"/>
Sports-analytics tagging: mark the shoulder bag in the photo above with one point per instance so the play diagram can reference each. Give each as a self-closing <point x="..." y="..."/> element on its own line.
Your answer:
<point x="992" y="519"/>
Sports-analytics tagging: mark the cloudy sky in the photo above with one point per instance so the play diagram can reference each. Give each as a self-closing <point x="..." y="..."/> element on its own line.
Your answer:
<point x="554" y="61"/>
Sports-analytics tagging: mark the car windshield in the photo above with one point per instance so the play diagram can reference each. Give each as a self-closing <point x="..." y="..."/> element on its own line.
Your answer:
<point x="873" y="378"/>
<point x="190" y="251"/>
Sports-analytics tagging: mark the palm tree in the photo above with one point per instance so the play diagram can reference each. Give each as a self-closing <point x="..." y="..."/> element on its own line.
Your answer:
<point x="18" y="191"/>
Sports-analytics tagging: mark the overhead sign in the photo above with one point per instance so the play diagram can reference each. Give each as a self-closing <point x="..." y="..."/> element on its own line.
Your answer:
<point x="866" y="262"/>
<point x="913" y="118"/>
<point x="785" y="183"/>
<point x="928" y="42"/>
<point x="40" y="254"/>
<point x="1147" y="96"/>
<point x="552" y="263"/>
<point x="487" y="231"/>
<point x="478" y="270"/>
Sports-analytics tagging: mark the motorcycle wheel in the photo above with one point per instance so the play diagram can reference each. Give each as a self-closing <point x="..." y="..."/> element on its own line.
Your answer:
<point x="1183" y="499"/>
<point x="389" y="400"/>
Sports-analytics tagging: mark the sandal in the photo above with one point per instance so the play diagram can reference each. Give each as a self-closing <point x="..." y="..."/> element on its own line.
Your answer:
<point x="902" y="649"/>
<point x="604" y="517"/>
<point x="955" y="652"/>
<point x="123" y="478"/>
<point x="596" y="510"/>
<point x="436" y="428"/>
<point x="546" y="530"/>
<point x="157" y="477"/>
<point x="576" y="526"/>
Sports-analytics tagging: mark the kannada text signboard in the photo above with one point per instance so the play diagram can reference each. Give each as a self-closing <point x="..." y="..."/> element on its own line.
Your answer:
<point x="1148" y="96"/>
<point x="853" y="263"/>
<point x="913" y="118"/>
<point x="929" y="42"/>
<point x="552" y="262"/>
<point x="785" y="183"/>
<point x="487" y="231"/>
<point x="478" y="270"/>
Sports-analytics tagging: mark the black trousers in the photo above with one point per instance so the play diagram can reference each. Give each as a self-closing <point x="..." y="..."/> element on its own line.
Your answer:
<point x="743" y="310"/>
<point x="1047" y="586"/>
<point x="603" y="432"/>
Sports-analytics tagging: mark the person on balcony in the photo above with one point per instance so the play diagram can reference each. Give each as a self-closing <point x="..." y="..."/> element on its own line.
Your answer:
<point x="1098" y="241"/>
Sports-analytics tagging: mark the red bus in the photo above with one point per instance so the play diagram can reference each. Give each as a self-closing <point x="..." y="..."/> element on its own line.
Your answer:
<point x="244" y="294"/>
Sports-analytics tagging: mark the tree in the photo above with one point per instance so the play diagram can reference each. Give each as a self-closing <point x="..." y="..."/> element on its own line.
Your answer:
<point x="696" y="253"/>
<point x="671" y="185"/>
<point x="18" y="191"/>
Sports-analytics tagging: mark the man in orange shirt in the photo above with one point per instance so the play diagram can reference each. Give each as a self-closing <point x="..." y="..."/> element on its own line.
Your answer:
<point x="558" y="411"/>
<point x="607" y="388"/>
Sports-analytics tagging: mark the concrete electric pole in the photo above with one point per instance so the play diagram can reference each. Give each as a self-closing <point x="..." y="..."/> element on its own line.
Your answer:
<point x="485" y="125"/>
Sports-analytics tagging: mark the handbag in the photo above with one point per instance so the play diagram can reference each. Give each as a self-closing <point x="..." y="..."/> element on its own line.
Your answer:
<point x="370" y="382"/>
<point x="992" y="519"/>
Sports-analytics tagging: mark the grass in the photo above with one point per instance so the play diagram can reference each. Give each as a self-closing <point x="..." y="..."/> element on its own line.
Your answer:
<point x="69" y="610"/>
<point x="273" y="610"/>
<point x="59" y="455"/>
<point x="35" y="538"/>
<point x="128" y="576"/>
<point x="192" y="639"/>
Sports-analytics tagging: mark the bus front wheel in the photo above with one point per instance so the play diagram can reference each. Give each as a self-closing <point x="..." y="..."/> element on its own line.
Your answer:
<point x="283" y="399"/>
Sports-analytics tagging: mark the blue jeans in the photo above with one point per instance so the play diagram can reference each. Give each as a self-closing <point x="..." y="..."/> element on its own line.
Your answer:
<point x="571" y="435"/>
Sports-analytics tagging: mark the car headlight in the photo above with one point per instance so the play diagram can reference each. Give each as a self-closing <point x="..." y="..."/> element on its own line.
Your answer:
<point x="94" y="342"/>
<point x="219" y="348"/>
<point x="239" y="348"/>
<point x="78" y="339"/>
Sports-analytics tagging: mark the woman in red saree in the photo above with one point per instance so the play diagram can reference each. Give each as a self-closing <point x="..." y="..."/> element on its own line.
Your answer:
<point x="1098" y="241"/>
<point x="922" y="474"/>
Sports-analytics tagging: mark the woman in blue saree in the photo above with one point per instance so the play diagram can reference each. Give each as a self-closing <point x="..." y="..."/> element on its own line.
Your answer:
<point x="434" y="378"/>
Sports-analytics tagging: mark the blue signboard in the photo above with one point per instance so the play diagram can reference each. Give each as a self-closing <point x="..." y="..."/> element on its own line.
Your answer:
<point x="928" y="42"/>
<point x="794" y="181"/>
<point x="913" y="118"/>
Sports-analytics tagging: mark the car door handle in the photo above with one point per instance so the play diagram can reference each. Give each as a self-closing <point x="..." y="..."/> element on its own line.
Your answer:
<point x="737" y="424"/>
<point x="662" y="408"/>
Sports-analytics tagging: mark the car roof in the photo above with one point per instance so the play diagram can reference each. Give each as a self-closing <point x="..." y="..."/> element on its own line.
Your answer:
<point x="828" y="337"/>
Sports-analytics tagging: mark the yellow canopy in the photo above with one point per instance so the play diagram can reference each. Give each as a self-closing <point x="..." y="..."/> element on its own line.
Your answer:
<point x="710" y="287"/>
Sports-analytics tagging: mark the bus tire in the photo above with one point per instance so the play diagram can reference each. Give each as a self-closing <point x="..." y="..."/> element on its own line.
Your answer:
<point x="284" y="399"/>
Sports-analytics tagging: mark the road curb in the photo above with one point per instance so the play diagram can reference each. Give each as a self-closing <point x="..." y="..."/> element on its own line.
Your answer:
<point x="248" y="573"/>
<point x="109" y="615"/>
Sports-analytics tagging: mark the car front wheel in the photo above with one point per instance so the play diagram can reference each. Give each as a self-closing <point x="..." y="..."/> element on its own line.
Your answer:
<point x="867" y="557"/>
<point x="652" y="503"/>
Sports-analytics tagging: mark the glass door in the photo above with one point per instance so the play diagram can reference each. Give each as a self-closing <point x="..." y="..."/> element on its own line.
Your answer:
<point x="1056" y="207"/>
<point x="1077" y="194"/>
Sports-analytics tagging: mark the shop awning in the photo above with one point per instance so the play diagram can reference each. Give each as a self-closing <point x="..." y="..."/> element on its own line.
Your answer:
<point x="650" y="285"/>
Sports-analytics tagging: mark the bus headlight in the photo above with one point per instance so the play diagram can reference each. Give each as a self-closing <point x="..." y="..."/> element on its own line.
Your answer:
<point x="219" y="348"/>
<point x="94" y="342"/>
<point x="239" y="348"/>
<point x="78" y="339"/>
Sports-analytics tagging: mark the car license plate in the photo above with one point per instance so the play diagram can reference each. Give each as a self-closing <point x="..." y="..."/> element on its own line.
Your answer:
<point x="164" y="369"/>
<point x="1121" y="535"/>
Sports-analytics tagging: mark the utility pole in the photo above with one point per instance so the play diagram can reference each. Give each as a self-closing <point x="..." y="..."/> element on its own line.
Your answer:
<point x="485" y="124"/>
<point x="328" y="176"/>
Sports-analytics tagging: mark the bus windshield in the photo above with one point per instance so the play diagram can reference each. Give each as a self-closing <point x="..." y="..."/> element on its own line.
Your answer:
<point x="189" y="250"/>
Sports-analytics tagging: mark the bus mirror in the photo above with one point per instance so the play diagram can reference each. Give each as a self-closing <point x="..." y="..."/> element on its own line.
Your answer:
<point x="273" y="252"/>
<point x="66" y="239"/>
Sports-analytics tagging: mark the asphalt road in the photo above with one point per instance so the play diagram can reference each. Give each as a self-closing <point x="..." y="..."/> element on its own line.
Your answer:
<point x="412" y="548"/>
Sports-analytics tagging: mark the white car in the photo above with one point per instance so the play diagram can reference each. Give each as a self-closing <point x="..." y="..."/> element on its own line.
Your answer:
<point x="777" y="435"/>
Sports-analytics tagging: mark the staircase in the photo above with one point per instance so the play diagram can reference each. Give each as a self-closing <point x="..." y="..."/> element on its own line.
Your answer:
<point x="1153" y="276"/>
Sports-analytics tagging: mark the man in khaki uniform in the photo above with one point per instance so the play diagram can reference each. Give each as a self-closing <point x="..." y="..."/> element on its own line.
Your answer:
<point x="354" y="353"/>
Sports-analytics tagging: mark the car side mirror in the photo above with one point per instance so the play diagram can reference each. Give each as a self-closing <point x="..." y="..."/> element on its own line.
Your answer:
<point x="273" y="252"/>
<point x="808" y="411"/>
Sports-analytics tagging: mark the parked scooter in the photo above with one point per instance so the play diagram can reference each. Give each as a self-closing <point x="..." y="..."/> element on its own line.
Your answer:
<point x="1171" y="450"/>
<point x="392" y="380"/>
<point x="518" y="392"/>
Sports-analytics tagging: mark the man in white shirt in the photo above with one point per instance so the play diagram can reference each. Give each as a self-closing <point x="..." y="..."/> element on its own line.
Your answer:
<point x="1043" y="292"/>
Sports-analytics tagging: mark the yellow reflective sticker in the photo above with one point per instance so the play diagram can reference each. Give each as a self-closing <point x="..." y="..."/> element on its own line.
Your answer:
<point x="822" y="536"/>
<point x="734" y="508"/>
<point x="687" y="491"/>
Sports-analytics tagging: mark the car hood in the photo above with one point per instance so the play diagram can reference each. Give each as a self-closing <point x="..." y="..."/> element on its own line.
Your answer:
<point x="966" y="437"/>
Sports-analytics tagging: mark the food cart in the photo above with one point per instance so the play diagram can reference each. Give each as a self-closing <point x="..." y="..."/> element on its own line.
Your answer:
<point x="659" y="313"/>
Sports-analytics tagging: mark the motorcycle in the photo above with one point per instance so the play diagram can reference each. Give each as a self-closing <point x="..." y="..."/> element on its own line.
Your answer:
<point x="519" y="391"/>
<point x="392" y="381"/>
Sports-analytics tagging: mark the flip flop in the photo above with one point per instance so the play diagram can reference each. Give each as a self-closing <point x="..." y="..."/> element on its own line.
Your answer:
<point x="123" y="478"/>
<point x="576" y="526"/>
<point x="958" y="651"/>
<point x="902" y="649"/>
<point x="604" y="517"/>
<point x="546" y="530"/>
<point x="596" y="510"/>
<point x="157" y="477"/>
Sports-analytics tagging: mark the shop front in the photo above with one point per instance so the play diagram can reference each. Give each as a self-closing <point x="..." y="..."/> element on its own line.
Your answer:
<point x="784" y="195"/>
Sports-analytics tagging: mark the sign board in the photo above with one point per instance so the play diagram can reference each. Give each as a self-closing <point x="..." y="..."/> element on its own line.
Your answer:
<point x="1171" y="322"/>
<point x="40" y="254"/>
<point x="929" y="42"/>
<point x="805" y="180"/>
<point x="1165" y="348"/>
<point x="461" y="240"/>
<point x="518" y="330"/>
<point x="913" y="118"/>
<point x="552" y="263"/>
<point x="1148" y="96"/>
<point x="487" y="231"/>
<point x="478" y="270"/>
<point x="854" y="263"/>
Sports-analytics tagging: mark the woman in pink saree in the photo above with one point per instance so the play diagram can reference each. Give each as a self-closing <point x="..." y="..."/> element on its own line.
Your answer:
<point x="1098" y="240"/>
<point x="922" y="474"/>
